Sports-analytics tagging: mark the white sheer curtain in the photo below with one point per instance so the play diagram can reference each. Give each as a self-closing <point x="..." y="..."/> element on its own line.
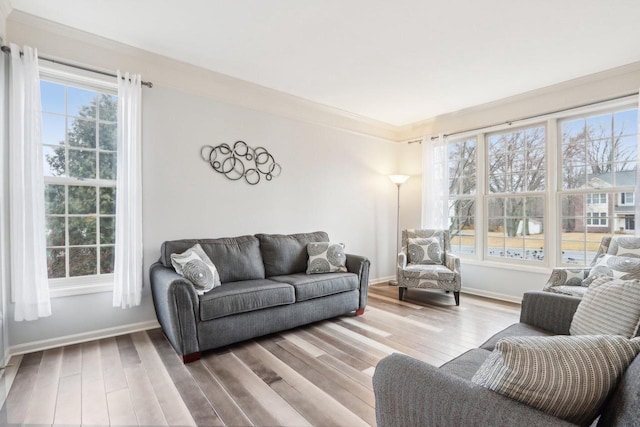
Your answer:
<point x="127" y="287"/>
<point x="636" y="197"/>
<point x="435" y="183"/>
<point x="26" y="195"/>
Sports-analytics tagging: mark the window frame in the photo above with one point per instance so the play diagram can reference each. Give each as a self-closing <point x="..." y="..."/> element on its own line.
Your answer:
<point x="78" y="285"/>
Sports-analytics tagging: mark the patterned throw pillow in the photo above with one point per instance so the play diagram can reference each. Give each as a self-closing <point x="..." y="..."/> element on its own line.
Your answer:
<point x="425" y="250"/>
<point x="618" y="267"/>
<point x="610" y="306"/>
<point x="195" y="265"/>
<point x="325" y="257"/>
<point x="625" y="246"/>
<point x="565" y="376"/>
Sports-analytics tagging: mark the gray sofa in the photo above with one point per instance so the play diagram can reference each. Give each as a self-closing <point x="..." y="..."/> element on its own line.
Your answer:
<point x="409" y="392"/>
<point x="264" y="289"/>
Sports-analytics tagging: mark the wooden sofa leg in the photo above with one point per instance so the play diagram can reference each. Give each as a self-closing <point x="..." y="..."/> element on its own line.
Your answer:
<point x="191" y="357"/>
<point x="401" y="292"/>
<point x="456" y="295"/>
<point x="360" y="312"/>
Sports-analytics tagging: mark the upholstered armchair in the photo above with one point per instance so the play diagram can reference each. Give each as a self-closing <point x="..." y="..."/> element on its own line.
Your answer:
<point x="426" y="262"/>
<point x="571" y="281"/>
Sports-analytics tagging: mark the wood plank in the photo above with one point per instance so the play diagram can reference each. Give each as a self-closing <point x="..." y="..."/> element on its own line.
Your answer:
<point x="359" y="322"/>
<point x="334" y="351"/>
<point x="69" y="403"/>
<point x="94" y="397"/>
<point x="71" y="360"/>
<point x="113" y="373"/>
<point x="296" y="339"/>
<point x="199" y="406"/>
<point x="7" y="378"/>
<point x="121" y="411"/>
<point x="239" y="373"/>
<point x="172" y="405"/>
<point x="323" y="404"/>
<point x="42" y="405"/>
<point x="145" y="403"/>
<point x="16" y="404"/>
<point x="128" y="354"/>
<point x="226" y="408"/>
<point x="362" y="409"/>
<point x="370" y="356"/>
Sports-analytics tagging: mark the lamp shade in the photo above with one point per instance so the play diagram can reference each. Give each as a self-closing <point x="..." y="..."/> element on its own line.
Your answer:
<point x="399" y="179"/>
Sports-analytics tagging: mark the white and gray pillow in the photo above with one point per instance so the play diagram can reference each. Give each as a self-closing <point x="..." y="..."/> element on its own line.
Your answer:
<point x="424" y="250"/>
<point x="195" y="265"/>
<point x="610" y="306"/>
<point x="569" y="377"/>
<point x="625" y="246"/>
<point x="326" y="257"/>
<point x="618" y="267"/>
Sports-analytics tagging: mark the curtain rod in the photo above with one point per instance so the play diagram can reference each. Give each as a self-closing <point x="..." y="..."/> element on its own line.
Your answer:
<point x="7" y="50"/>
<point x="510" y="122"/>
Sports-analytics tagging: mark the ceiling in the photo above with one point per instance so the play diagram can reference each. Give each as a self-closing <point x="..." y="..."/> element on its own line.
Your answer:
<point x="395" y="61"/>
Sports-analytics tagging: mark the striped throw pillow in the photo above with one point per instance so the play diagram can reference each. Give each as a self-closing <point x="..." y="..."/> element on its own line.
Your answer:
<point x="609" y="307"/>
<point x="565" y="376"/>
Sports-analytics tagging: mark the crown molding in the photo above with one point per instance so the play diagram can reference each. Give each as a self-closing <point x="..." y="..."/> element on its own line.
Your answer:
<point x="5" y="11"/>
<point x="565" y="95"/>
<point x="72" y="45"/>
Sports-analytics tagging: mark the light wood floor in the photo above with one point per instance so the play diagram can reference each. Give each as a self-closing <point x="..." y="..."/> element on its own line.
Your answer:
<point x="314" y="375"/>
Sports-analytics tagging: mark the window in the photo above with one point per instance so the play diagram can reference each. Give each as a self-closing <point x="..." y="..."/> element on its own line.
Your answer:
<point x="515" y="202"/>
<point x="79" y="147"/>
<point x="597" y="218"/>
<point x="627" y="199"/>
<point x="462" y="194"/>
<point x="597" y="151"/>
<point x="597" y="199"/>
<point x="536" y="189"/>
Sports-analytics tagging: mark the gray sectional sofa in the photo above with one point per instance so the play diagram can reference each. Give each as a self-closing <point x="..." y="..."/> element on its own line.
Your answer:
<point x="264" y="289"/>
<point x="409" y="392"/>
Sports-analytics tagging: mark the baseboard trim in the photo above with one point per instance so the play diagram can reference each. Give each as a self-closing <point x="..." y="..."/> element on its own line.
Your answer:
<point x="492" y="295"/>
<point x="82" y="337"/>
<point x="381" y="280"/>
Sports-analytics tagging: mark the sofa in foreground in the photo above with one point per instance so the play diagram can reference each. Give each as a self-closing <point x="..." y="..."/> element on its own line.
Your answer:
<point x="409" y="392"/>
<point x="264" y="289"/>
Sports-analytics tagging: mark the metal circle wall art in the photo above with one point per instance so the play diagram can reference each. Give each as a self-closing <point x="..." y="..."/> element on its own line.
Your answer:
<point x="241" y="161"/>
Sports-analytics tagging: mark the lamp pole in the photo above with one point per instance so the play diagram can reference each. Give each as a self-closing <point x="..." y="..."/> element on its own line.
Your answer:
<point x="398" y="180"/>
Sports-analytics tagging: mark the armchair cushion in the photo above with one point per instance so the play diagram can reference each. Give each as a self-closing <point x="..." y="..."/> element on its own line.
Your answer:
<point x="568" y="377"/>
<point x="610" y="306"/>
<point x="619" y="267"/>
<point x="425" y="251"/>
<point x="427" y="272"/>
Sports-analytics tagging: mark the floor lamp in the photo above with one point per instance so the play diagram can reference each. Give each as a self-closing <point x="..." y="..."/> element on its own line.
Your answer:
<point x="398" y="180"/>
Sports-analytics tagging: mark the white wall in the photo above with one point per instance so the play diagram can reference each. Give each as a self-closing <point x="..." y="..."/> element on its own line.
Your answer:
<point x="332" y="179"/>
<point x="4" y="207"/>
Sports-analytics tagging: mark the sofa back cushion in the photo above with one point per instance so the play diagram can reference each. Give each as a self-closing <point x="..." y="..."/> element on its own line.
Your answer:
<point x="287" y="254"/>
<point x="236" y="258"/>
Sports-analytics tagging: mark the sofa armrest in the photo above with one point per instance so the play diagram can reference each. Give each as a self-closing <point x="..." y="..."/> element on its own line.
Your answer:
<point x="177" y="304"/>
<point x="409" y="392"/>
<point x="360" y="266"/>
<point x="549" y="311"/>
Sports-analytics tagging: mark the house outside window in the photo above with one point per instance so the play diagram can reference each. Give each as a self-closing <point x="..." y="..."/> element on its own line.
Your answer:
<point x="79" y="147"/>
<point x="627" y="199"/>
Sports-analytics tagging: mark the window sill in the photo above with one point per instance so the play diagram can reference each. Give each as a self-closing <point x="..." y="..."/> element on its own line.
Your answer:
<point x="80" y="286"/>
<point x="506" y="266"/>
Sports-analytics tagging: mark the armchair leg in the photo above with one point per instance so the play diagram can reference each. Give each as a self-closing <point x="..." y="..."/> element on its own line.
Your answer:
<point x="401" y="292"/>
<point x="456" y="295"/>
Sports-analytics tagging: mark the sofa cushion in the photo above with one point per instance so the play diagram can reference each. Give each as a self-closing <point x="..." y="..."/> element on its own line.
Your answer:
<point x="569" y="377"/>
<point x="243" y="296"/>
<point x="319" y="285"/>
<point x="427" y="272"/>
<point x="610" y="307"/>
<point x="287" y="254"/>
<point x="467" y="364"/>
<point x="236" y="258"/>
<point x="515" y="330"/>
